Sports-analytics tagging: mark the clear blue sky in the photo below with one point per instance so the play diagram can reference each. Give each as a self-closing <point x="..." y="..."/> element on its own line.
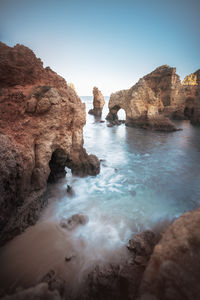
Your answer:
<point x="110" y="44"/>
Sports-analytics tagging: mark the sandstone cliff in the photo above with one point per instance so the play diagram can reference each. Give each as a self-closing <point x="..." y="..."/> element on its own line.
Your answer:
<point x="191" y="91"/>
<point x="98" y="102"/>
<point x="192" y="79"/>
<point x="144" y="103"/>
<point x="41" y="123"/>
<point x="157" y="97"/>
<point x="174" y="267"/>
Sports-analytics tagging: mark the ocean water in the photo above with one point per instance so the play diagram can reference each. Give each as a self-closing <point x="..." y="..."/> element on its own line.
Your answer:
<point x="147" y="179"/>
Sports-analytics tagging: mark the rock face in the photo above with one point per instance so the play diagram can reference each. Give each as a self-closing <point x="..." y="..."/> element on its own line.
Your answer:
<point x="192" y="79"/>
<point x="144" y="103"/>
<point x="98" y="102"/>
<point x="41" y="123"/>
<point x="191" y="91"/>
<point x="157" y="97"/>
<point x="174" y="267"/>
<point x="39" y="292"/>
<point x="121" y="281"/>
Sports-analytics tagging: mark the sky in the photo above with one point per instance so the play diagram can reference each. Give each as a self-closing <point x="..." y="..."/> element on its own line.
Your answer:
<point x="109" y="44"/>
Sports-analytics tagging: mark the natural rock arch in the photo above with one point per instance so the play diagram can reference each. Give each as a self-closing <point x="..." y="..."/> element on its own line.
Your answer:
<point x="143" y="102"/>
<point x="113" y="114"/>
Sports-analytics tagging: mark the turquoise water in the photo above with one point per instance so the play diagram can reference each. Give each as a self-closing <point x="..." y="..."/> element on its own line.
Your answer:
<point x="146" y="179"/>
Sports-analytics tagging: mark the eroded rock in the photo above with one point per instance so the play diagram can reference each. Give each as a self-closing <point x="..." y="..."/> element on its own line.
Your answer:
<point x="144" y="103"/>
<point x="174" y="268"/>
<point x="157" y="98"/>
<point x="39" y="292"/>
<point x="41" y="120"/>
<point x="98" y="102"/>
<point x="74" y="221"/>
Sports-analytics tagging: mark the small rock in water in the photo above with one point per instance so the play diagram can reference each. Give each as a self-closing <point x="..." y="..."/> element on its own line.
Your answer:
<point x="68" y="257"/>
<point x="133" y="193"/>
<point x="70" y="190"/>
<point x="74" y="221"/>
<point x="102" y="121"/>
<point x="102" y="160"/>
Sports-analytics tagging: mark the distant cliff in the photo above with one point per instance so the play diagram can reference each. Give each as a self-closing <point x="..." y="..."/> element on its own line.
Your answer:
<point x="157" y="98"/>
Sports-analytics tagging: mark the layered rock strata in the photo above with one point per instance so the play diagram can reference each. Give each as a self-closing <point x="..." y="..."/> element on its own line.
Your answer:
<point x="41" y="132"/>
<point x="98" y="102"/>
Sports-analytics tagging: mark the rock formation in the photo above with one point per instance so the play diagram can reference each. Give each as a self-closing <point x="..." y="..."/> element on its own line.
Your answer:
<point x="157" y="97"/>
<point x="41" y="122"/>
<point x="121" y="281"/>
<point x="144" y="102"/>
<point x="174" y="267"/>
<point x="39" y="292"/>
<point x="191" y="92"/>
<point x="98" y="102"/>
<point x="192" y="79"/>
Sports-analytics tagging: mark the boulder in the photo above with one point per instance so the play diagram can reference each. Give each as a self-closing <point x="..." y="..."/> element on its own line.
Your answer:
<point x="72" y="222"/>
<point x="39" y="292"/>
<point x="174" y="267"/>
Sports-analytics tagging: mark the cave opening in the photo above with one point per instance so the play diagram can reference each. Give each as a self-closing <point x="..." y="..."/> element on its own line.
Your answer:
<point x="121" y="114"/>
<point x="189" y="108"/>
<point x="118" y="113"/>
<point x="57" y="164"/>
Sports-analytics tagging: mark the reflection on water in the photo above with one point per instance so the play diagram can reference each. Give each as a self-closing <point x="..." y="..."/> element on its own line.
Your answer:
<point x="146" y="177"/>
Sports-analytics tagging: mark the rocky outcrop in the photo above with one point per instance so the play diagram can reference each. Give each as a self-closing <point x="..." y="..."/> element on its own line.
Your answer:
<point x="144" y="103"/>
<point x="98" y="102"/>
<point x="157" y="98"/>
<point x="41" y="123"/>
<point x="174" y="267"/>
<point x="191" y="92"/>
<point x="39" y="292"/>
<point x="192" y="79"/>
<point x="73" y="221"/>
<point x="121" y="280"/>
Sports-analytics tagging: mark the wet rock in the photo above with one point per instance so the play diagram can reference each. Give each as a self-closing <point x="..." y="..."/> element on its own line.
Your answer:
<point x="121" y="281"/>
<point x="70" y="190"/>
<point x="69" y="257"/>
<point x="74" y="221"/>
<point x="83" y="164"/>
<point x="39" y="292"/>
<point x="174" y="267"/>
<point x="113" y="281"/>
<point x="55" y="283"/>
<point x="143" y="243"/>
<point x="133" y="193"/>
